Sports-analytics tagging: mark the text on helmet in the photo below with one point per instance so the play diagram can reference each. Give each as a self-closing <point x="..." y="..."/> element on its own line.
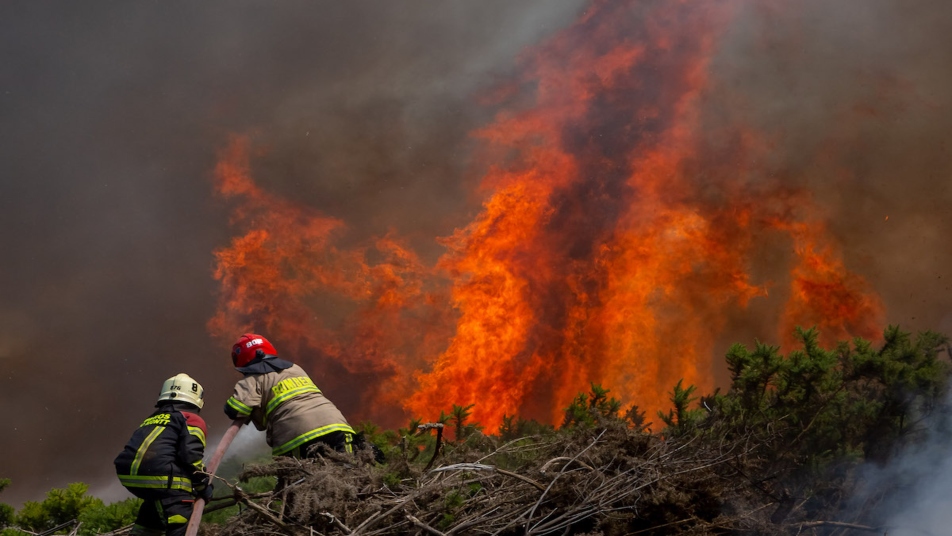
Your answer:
<point x="176" y="387"/>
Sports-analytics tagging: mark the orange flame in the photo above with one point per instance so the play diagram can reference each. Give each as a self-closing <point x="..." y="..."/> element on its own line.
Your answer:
<point x="286" y="277"/>
<point x="824" y="293"/>
<point x="613" y="242"/>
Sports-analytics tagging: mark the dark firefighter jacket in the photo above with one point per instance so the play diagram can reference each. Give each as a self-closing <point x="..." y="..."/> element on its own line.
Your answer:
<point x="165" y="451"/>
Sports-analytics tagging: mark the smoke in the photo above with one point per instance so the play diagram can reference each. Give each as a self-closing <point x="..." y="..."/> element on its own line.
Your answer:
<point x="928" y="481"/>
<point x="615" y="233"/>
<point x="855" y="108"/>
<point x="908" y="496"/>
<point x="113" y="116"/>
<point x="249" y="444"/>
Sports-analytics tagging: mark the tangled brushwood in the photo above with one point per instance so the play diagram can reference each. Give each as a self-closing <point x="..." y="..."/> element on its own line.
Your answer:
<point x="779" y="453"/>
<point x="607" y="480"/>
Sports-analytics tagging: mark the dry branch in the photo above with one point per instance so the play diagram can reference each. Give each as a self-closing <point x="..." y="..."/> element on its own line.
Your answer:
<point x="545" y="467"/>
<point x="337" y="522"/>
<point x="424" y="526"/>
<point x="614" y="480"/>
<point x="838" y="524"/>
<point x="483" y="467"/>
<point x="438" y="426"/>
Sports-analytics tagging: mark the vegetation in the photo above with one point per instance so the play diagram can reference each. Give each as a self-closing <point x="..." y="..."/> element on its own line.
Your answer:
<point x="777" y="453"/>
<point x="71" y="510"/>
<point x="7" y="513"/>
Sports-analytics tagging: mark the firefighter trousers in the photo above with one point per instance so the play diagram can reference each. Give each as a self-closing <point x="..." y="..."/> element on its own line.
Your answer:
<point x="162" y="512"/>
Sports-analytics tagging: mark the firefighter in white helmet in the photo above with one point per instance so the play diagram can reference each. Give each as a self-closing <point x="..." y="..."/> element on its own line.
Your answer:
<point x="162" y="462"/>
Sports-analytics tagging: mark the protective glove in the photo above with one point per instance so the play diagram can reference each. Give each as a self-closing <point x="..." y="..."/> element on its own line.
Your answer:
<point x="206" y="494"/>
<point x="202" y="487"/>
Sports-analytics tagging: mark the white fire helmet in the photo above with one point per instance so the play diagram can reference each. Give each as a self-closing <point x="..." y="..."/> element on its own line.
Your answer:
<point x="183" y="387"/>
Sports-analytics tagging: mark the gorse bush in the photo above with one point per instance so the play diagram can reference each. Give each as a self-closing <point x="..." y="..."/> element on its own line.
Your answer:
<point x="814" y="415"/>
<point x="60" y="506"/>
<point x="854" y="401"/>
<point x="779" y="446"/>
<point x="7" y="512"/>
<point x="65" y="505"/>
<point x="98" y="519"/>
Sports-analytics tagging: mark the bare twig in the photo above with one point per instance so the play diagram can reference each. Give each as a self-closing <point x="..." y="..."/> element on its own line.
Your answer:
<point x="439" y="440"/>
<point x="525" y="479"/>
<point x="121" y="530"/>
<point x="545" y="467"/>
<point x="55" y="529"/>
<point x="337" y="522"/>
<point x="268" y="514"/>
<point x="544" y="492"/>
<point x="483" y="467"/>
<point x="424" y="526"/>
<point x="377" y="516"/>
<point x="219" y="504"/>
<point x="839" y="524"/>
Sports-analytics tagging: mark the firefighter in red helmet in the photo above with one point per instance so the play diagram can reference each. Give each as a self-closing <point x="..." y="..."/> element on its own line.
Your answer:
<point x="162" y="462"/>
<point x="279" y="397"/>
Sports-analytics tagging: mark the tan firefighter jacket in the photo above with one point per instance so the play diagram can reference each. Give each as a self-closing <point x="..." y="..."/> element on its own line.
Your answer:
<point x="289" y="406"/>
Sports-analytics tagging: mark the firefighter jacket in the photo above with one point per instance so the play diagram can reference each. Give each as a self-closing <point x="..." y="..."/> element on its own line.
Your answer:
<point x="286" y="403"/>
<point x="165" y="451"/>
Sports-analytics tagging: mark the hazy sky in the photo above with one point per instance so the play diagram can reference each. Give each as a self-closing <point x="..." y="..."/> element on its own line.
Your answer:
<point x="112" y="113"/>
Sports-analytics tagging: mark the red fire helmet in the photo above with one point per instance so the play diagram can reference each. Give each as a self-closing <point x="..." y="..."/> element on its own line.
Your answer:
<point x="246" y="349"/>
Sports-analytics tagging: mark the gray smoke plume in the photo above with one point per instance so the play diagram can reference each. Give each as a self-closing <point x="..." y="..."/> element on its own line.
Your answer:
<point x="111" y="115"/>
<point x="852" y="101"/>
<point x="909" y="495"/>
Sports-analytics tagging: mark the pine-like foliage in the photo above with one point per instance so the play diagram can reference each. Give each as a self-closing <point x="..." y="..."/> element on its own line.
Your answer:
<point x="73" y="511"/>
<point x="778" y="452"/>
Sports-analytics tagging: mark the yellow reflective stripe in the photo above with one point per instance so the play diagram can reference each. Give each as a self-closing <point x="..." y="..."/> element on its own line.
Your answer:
<point x="291" y="383"/>
<point x="156" y="478"/>
<point x="200" y="465"/>
<point x="278" y="400"/>
<point x="197" y="432"/>
<point x="155" y="482"/>
<point x="239" y="406"/>
<point x="177" y="519"/>
<point x="144" y="447"/>
<point x="313" y="434"/>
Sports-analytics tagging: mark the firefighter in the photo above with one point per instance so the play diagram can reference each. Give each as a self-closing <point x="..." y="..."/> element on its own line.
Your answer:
<point x="162" y="463"/>
<point x="279" y="397"/>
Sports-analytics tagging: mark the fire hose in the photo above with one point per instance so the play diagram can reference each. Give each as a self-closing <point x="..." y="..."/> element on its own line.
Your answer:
<point x="196" y="517"/>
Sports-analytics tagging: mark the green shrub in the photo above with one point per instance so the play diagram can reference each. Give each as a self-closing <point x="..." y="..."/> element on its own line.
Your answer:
<point x="98" y="519"/>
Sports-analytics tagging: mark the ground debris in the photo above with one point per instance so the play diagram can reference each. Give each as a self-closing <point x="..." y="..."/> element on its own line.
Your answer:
<point x="608" y="480"/>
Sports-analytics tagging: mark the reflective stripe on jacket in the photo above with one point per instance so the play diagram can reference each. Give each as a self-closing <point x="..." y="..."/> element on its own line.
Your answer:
<point x="288" y="405"/>
<point x="165" y="451"/>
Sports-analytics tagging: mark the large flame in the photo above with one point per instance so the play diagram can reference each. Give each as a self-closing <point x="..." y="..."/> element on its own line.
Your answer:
<point x="286" y="277"/>
<point x="615" y="241"/>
